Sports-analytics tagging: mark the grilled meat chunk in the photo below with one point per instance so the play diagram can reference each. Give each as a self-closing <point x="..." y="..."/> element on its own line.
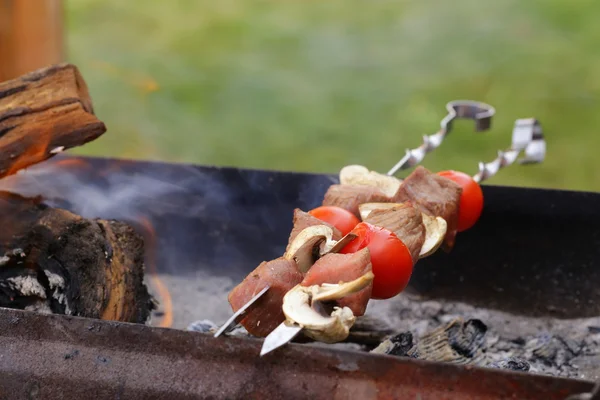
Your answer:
<point x="406" y="222"/>
<point x="281" y="275"/>
<point x="335" y="268"/>
<point x="303" y="220"/>
<point x="349" y="197"/>
<point x="433" y="195"/>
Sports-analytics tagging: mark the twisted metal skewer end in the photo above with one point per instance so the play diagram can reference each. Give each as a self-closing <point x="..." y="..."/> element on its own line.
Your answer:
<point x="481" y="113"/>
<point x="527" y="137"/>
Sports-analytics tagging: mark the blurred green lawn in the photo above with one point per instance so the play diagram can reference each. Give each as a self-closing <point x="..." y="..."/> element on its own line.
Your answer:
<point x="313" y="86"/>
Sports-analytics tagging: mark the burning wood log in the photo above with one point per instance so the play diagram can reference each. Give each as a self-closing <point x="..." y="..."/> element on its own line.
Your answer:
<point x="43" y="113"/>
<point x="54" y="261"/>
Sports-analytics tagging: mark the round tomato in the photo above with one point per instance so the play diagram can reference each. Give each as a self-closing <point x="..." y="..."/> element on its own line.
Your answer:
<point x="340" y="218"/>
<point x="471" y="200"/>
<point x="391" y="261"/>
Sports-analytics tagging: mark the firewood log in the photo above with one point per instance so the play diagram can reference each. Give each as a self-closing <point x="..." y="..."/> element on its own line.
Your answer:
<point x="43" y="113"/>
<point x="54" y="261"/>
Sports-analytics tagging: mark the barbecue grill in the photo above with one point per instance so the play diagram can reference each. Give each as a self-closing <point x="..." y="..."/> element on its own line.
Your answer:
<point x="528" y="268"/>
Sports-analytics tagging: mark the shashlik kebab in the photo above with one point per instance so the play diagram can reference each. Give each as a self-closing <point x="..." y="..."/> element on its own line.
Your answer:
<point x="360" y="244"/>
<point x="479" y="112"/>
<point x="387" y="234"/>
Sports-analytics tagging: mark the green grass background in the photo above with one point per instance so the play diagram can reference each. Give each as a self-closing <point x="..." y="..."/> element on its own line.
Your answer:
<point x="314" y="85"/>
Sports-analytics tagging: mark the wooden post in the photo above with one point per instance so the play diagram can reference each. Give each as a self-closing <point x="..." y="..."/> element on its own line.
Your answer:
<point x="31" y="36"/>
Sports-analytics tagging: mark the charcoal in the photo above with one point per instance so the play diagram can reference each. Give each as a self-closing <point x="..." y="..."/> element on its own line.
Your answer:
<point x="594" y="329"/>
<point x="466" y="339"/>
<point x="552" y="350"/>
<point x="512" y="363"/>
<point x="398" y="345"/>
<point x="456" y="342"/>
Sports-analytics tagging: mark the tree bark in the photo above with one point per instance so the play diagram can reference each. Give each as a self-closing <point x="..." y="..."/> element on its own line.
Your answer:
<point x="54" y="261"/>
<point x="43" y="113"/>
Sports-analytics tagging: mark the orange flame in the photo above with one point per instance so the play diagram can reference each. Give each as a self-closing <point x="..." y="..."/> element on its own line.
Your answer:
<point x="71" y="163"/>
<point x="34" y="153"/>
<point x="161" y="288"/>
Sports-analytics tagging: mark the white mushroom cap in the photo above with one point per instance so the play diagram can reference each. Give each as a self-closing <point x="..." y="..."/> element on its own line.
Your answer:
<point x="301" y="307"/>
<point x="360" y="175"/>
<point x="336" y="291"/>
<point x="366" y="208"/>
<point x="435" y="231"/>
<point x="305" y="245"/>
<point x="312" y="243"/>
<point x="435" y="227"/>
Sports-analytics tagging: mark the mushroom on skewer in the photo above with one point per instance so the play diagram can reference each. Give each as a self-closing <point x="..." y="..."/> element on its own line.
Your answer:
<point x="304" y="306"/>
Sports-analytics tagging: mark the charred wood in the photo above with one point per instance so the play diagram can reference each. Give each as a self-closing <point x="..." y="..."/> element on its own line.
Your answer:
<point x="398" y="345"/>
<point x="513" y="364"/>
<point x="458" y="342"/>
<point x="54" y="261"/>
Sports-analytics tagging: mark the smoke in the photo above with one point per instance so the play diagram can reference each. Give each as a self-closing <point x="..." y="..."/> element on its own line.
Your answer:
<point x="117" y="194"/>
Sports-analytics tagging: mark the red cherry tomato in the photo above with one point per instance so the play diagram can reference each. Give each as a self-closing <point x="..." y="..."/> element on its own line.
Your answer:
<point x="340" y="218"/>
<point x="391" y="261"/>
<point x="471" y="200"/>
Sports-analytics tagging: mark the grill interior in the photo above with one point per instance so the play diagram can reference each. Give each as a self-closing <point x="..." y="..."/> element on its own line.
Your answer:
<point x="526" y="271"/>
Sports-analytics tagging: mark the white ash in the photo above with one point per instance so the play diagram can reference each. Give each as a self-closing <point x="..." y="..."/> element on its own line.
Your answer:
<point x="56" y="284"/>
<point x="204" y="326"/>
<point x="197" y="297"/>
<point x="8" y="256"/>
<point x="25" y="285"/>
<point x="55" y="281"/>
<point x="30" y="286"/>
<point x="39" y="306"/>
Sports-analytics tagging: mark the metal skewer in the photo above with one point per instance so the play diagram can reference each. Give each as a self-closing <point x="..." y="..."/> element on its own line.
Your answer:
<point x="527" y="136"/>
<point x="283" y="334"/>
<point x="481" y="113"/>
<point x="235" y="319"/>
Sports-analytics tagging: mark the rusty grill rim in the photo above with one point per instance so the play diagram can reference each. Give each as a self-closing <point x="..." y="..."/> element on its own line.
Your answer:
<point x="28" y="338"/>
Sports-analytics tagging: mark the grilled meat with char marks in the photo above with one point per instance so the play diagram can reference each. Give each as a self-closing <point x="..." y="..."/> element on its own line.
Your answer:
<point x="433" y="195"/>
<point x="406" y="222"/>
<point x="349" y="197"/>
<point x="303" y="220"/>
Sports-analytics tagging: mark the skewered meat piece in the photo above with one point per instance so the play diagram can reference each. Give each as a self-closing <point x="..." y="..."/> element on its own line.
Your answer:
<point x="281" y="275"/>
<point x="303" y="220"/>
<point x="336" y="268"/>
<point x="406" y="222"/>
<point x="433" y="195"/>
<point x="349" y="197"/>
